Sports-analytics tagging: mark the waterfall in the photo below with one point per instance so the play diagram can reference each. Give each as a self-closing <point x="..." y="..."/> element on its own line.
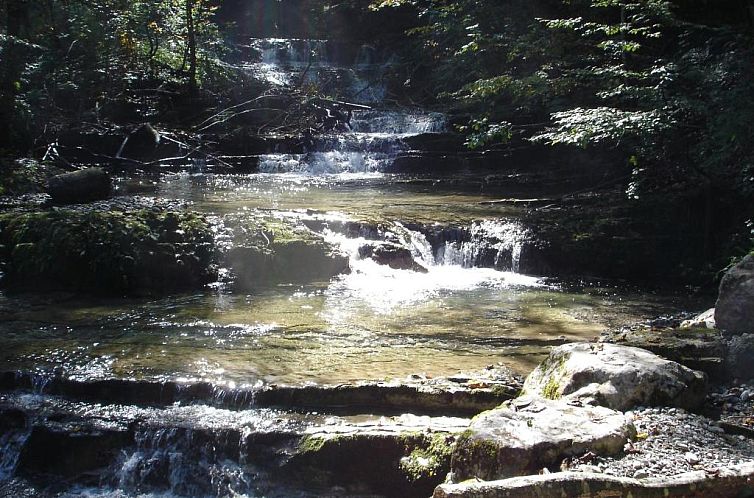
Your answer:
<point x="11" y="443"/>
<point x="322" y="163"/>
<point x="493" y="243"/>
<point x="417" y="243"/>
<point x="184" y="463"/>
<point x="374" y="138"/>
<point x="496" y="244"/>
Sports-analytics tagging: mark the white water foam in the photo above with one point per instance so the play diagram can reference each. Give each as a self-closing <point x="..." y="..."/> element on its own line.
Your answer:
<point x="384" y="289"/>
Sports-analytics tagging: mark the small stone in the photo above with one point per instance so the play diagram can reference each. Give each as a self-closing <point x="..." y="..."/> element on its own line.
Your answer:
<point x="590" y="468"/>
<point x="691" y="458"/>
<point x="746" y="395"/>
<point x="641" y="474"/>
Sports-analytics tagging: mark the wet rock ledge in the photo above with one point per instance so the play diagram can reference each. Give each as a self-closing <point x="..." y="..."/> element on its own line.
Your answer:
<point x="462" y="394"/>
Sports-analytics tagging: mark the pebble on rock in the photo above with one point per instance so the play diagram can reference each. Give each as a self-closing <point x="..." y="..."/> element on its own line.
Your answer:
<point x="692" y="458"/>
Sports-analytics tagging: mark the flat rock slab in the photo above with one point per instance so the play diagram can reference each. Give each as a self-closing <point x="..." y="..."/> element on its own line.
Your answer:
<point x="732" y="482"/>
<point x="467" y="393"/>
<point x="696" y="347"/>
<point x="617" y="377"/>
<point x="528" y="434"/>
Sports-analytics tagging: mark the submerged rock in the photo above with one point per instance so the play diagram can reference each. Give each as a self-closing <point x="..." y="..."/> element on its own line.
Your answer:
<point x="734" y="310"/>
<point x="618" y="377"/>
<point x="267" y="251"/>
<point x="527" y="434"/>
<point x="293" y="261"/>
<point x="86" y="185"/>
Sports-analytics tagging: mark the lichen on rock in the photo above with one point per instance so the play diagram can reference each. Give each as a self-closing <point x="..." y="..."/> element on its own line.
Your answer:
<point x="527" y="434"/>
<point x="617" y="377"/>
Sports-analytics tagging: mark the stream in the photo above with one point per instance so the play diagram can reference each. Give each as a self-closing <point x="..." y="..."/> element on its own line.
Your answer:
<point x="466" y="305"/>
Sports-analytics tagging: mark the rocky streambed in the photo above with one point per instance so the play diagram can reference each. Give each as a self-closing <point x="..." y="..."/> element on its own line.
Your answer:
<point x="594" y="419"/>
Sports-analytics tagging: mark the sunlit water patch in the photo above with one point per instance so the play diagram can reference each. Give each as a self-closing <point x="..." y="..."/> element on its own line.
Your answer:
<point x="353" y="329"/>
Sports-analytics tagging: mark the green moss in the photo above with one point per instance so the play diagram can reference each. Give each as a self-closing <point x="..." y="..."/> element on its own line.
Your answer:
<point x="550" y="391"/>
<point x="553" y="369"/>
<point x="429" y="455"/>
<point x="110" y="251"/>
<point x="311" y="444"/>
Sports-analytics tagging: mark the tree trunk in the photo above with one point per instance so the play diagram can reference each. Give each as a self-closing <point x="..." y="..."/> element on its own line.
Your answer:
<point x="11" y="68"/>
<point x="191" y="46"/>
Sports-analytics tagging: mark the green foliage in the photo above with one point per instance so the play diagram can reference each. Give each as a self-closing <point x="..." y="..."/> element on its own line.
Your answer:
<point x="601" y="124"/>
<point x="482" y="132"/>
<point x="76" y="59"/>
<point x="667" y="85"/>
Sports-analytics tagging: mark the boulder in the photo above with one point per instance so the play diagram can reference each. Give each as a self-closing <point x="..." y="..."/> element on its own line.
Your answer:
<point x="738" y="359"/>
<point x="86" y="185"/>
<point x="141" y="144"/>
<point x="392" y="255"/>
<point x="734" y="310"/>
<point x="527" y="434"/>
<point x="146" y="252"/>
<point x="617" y="377"/>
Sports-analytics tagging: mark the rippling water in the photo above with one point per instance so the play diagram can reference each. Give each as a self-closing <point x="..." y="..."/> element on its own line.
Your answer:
<point x="373" y="323"/>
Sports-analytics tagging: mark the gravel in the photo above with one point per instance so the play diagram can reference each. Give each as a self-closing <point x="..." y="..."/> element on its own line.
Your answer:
<point x="671" y="441"/>
<point x="735" y="404"/>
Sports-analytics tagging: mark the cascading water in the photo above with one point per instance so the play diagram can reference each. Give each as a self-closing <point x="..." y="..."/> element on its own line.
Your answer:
<point x="11" y="444"/>
<point x="490" y="243"/>
<point x="433" y="285"/>
<point x="371" y="140"/>
<point x="183" y="464"/>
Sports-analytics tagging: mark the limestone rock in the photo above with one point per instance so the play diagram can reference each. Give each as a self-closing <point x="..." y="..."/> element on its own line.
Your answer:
<point x="706" y="320"/>
<point x="86" y="185"/>
<point x="730" y="482"/>
<point x="617" y="377"/>
<point x="734" y="310"/>
<point x="526" y="434"/>
<point x="698" y="348"/>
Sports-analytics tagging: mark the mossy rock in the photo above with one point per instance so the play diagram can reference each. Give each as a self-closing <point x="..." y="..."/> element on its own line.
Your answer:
<point x="271" y="251"/>
<point x="391" y="464"/>
<point x="527" y="434"/>
<point x="617" y="377"/>
<point x="110" y="252"/>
